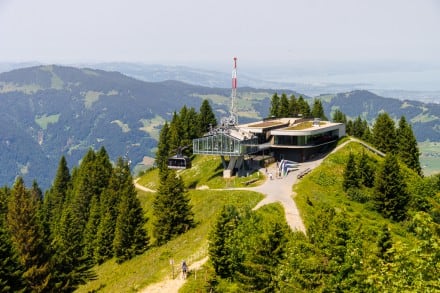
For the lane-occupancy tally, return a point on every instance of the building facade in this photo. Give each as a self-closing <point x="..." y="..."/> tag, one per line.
<point x="295" y="139"/>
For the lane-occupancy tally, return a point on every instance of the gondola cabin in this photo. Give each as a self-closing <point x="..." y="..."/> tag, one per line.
<point x="179" y="162"/>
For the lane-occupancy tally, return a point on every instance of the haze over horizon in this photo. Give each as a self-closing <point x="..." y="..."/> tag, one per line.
<point x="313" y="41"/>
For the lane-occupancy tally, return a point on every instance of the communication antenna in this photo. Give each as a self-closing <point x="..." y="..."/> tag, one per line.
<point x="234" y="92"/>
<point x="232" y="120"/>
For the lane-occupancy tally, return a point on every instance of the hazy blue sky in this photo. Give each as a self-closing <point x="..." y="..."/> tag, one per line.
<point x="202" y="31"/>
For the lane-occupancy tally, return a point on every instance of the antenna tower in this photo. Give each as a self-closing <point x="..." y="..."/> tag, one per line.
<point x="232" y="120"/>
<point x="234" y="92"/>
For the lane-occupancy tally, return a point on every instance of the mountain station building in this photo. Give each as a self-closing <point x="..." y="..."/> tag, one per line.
<point x="294" y="139"/>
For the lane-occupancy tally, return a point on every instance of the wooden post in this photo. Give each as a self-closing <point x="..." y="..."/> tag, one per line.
<point x="172" y="266"/>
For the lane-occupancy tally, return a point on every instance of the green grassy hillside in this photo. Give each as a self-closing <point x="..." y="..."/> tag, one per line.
<point x="206" y="173"/>
<point x="322" y="189"/>
<point x="154" y="265"/>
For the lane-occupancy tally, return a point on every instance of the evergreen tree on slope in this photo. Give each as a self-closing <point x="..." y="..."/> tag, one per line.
<point x="130" y="237"/>
<point x="10" y="268"/>
<point x="206" y="118"/>
<point x="163" y="148"/>
<point x="28" y="236"/>
<point x="318" y="110"/>
<point x="408" y="150"/>
<point x="220" y="249"/>
<point x="274" y="109"/>
<point x="171" y="209"/>
<point x="339" y="116"/>
<point x="304" y="107"/>
<point x="390" y="195"/>
<point x="384" y="134"/>
<point x="283" y="110"/>
<point x="55" y="198"/>
<point x="351" y="174"/>
<point x="293" y="106"/>
<point x="366" y="171"/>
<point x="259" y="272"/>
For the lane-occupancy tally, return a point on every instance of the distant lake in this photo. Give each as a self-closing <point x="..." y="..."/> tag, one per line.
<point x="425" y="80"/>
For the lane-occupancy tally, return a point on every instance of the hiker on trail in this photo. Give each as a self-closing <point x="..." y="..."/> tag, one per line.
<point x="270" y="176"/>
<point x="184" y="269"/>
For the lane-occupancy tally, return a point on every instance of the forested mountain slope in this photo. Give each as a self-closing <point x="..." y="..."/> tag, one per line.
<point x="424" y="117"/>
<point x="49" y="111"/>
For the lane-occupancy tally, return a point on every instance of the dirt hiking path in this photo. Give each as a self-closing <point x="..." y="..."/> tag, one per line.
<point x="173" y="285"/>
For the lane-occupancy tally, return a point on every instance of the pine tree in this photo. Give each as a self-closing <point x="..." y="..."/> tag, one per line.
<point x="91" y="236"/>
<point x="274" y="109"/>
<point x="351" y="175"/>
<point x="349" y="127"/>
<point x="258" y="273"/>
<point x="318" y="110"/>
<point x="100" y="171"/>
<point x="304" y="108"/>
<point x="103" y="170"/>
<point x="293" y="106"/>
<point x="408" y="150"/>
<point x="191" y="128"/>
<point x="83" y="189"/>
<point x="206" y="118"/>
<point x="72" y="268"/>
<point x="171" y="209"/>
<point x="384" y="134"/>
<point x="10" y="268"/>
<point x="283" y="110"/>
<point x="28" y="237"/>
<point x="366" y="171"/>
<point x="119" y="184"/>
<point x="163" y="149"/>
<point x="390" y="195"/>
<point x="55" y="198"/>
<point x="130" y="237"/>
<point x="220" y="241"/>
<point x="92" y="177"/>
<point x="339" y="117"/>
<point x="367" y="136"/>
<point x="175" y="133"/>
<point x="358" y="127"/>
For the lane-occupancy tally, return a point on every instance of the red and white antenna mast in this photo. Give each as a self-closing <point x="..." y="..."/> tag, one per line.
<point x="232" y="120"/>
<point x="234" y="115"/>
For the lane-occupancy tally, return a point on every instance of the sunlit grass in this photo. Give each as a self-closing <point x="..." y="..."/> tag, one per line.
<point x="154" y="265"/>
<point x="206" y="173"/>
<point x="323" y="187"/>
<point x="198" y="279"/>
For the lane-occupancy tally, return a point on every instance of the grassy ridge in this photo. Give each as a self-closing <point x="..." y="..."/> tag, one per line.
<point x="323" y="187"/>
<point x="154" y="265"/>
<point x="206" y="171"/>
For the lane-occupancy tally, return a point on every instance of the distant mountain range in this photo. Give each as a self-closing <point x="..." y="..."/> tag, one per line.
<point x="309" y="81"/>
<point x="49" y="111"/>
